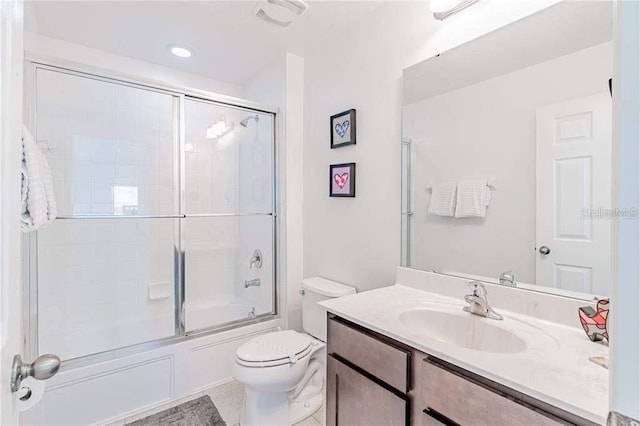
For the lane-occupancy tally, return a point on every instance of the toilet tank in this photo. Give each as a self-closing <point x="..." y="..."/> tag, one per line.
<point x="314" y="316"/>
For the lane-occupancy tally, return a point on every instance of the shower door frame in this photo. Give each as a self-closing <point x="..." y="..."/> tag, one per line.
<point x="180" y="94"/>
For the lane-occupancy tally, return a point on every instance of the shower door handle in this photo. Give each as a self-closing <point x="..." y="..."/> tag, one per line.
<point x="43" y="368"/>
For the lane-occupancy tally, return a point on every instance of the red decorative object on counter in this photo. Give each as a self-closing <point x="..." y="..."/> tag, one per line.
<point x="594" y="322"/>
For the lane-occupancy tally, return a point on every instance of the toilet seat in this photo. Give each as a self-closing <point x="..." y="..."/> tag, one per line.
<point x="284" y="372"/>
<point x="273" y="349"/>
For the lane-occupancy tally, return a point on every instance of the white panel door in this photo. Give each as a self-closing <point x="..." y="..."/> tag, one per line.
<point x="11" y="57"/>
<point x="573" y="190"/>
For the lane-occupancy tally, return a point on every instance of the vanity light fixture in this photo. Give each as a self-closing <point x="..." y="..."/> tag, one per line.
<point x="442" y="9"/>
<point x="180" y="51"/>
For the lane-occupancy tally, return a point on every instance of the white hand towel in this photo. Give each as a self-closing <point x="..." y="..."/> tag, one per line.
<point x="472" y="198"/>
<point x="38" y="198"/>
<point x="443" y="199"/>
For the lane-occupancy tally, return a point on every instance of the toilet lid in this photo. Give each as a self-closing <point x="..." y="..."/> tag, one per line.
<point x="278" y="347"/>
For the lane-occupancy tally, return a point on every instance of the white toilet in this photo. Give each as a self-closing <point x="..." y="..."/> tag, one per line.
<point x="284" y="371"/>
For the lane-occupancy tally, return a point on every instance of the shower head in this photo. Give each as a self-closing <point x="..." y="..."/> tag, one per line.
<point x="245" y="122"/>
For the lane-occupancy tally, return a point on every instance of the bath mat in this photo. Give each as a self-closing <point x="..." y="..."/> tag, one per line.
<point x="197" y="412"/>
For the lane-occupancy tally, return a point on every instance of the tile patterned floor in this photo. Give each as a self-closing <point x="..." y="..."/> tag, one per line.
<point x="227" y="399"/>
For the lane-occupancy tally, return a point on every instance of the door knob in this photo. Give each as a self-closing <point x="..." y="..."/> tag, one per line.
<point x="544" y="250"/>
<point x="43" y="368"/>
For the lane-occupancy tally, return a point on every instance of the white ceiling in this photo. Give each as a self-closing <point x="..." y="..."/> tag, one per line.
<point x="229" y="42"/>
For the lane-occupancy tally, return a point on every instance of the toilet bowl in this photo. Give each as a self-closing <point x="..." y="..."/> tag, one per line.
<point x="284" y="371"/>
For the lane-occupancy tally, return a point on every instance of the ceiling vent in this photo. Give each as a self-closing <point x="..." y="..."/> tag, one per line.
<point x="280" y="12"/>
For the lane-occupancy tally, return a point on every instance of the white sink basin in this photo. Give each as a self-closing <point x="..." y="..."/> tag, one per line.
<point x="462" y="329"/>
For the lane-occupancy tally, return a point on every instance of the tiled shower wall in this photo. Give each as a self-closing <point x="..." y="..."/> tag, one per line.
<point x="256" y="152"/>
<point x="93" y="284"/>
<point x="110" y="146"/>
<point x="216" y="174"/>
<point x="109" y="282"/>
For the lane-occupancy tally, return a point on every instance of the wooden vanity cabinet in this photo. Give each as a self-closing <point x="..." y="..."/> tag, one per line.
<point x="354" y="399"/>
<point x="368" y="377"/>
<point x="451" y="397"/>
<point x="373" y="380"/>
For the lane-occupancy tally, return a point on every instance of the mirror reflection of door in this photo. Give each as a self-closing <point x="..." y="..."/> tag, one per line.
<point x="534" y="118"/>
<point x="573" y="187"/>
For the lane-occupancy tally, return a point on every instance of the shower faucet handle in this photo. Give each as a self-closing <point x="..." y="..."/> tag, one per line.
<point x="256" y="259"/>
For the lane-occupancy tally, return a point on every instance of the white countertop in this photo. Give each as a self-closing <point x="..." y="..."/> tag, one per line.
<point x="555" y="369"/>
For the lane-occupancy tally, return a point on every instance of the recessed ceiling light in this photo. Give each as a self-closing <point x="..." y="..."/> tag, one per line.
<point x="179" y="51"/>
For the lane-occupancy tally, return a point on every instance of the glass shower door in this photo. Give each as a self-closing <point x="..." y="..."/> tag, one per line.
<point x="228" y="229"/>
<point x="104" y="270"/>
<point x="163" y="228"/>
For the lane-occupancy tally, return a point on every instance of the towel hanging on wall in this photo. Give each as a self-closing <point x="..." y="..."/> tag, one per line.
<point x="443" y="199"/>
<point x="37" y="197"/>
<point x="473" y="197"/>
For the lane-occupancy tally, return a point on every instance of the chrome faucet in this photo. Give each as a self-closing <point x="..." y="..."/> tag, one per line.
<point x="478" y="303"/>
<point x="252" y="283"/>
<point x="508" y="278"/>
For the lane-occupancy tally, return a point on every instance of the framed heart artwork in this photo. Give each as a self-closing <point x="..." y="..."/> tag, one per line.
<point x="342" y="180"/>
<point x="343" y="129"/>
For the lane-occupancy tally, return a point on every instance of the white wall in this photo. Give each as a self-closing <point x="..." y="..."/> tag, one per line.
<point x="625" y="315"/>
<point x="268" y="86"/>
<point x="489" y="129"/>
<point x="46" y="47"/>
<point x="357" y="241"/>
<point x="294" y="188"/>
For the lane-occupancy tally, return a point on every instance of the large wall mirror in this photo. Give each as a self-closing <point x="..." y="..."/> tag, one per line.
<point x="507" y="155"/>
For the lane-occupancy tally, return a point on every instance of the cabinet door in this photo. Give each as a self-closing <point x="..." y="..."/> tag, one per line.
<point x="383" y="360"/>
<point x="454" y="399"/>
<point x="353" y="399"/>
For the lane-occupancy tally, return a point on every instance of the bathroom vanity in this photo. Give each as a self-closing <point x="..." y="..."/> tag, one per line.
<point x="401" y="355"/>
<point x="382" y="381"/>
<point x="502" y="165"/>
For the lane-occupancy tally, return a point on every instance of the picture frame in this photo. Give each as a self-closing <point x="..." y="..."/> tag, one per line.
<point x="343" y="128"/>
<point x="342" y="180"/>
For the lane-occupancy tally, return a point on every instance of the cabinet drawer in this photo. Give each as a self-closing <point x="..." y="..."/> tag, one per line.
<point x="467" y="403"/>
<point x="386" y="362"/>
<point x="354" y="400"/>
